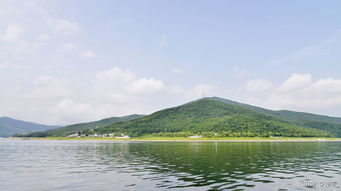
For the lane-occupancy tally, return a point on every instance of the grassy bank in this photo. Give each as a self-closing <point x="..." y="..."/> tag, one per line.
<point x="232" y="139"/>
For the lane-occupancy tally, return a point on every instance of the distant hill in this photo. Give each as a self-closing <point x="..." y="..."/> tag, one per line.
<point x="67" y="130"/>
<point x="221" y="117"/>
<point x="9" y="126"/>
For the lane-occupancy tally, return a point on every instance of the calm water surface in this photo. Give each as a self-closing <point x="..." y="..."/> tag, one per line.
<point x="108" y="165"/>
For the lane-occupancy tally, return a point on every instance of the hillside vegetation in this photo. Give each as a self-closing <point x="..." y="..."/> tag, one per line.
<point x="210" y="117"/>
<point x="327" y="123"/>
<point x="214" y="117"/>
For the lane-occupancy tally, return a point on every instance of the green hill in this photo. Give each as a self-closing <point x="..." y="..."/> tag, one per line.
<point x="284" y="114"/>
<point x="322" y="122"/>
<point x="210" y="117"/>
<point x="216" y="117"/>
<point x="9" y="126"/>
<point x="67" y="130"/>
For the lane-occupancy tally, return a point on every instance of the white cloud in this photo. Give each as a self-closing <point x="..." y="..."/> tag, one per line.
<point x="147" y="85"/>
<point x="296" y="81"/>
<point x="51" y="87"/>
<point x="12" y="33"/>
<point x="118" y="81"/>
<point x="46" y="93"/>
<point x="63" y="26"/>
<point x="178" y="71"/>
<point x="328" y="85"/>
<point x="67" y="111"/>
<point x="258" y="85"/>
<point x="301" y="92"/>
<point x="115" y="92"/>
<point x="88" y="54"/>
<point x="114" y="74"/>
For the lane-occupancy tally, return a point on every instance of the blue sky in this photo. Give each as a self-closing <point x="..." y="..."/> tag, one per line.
<point x="64" y="61"/>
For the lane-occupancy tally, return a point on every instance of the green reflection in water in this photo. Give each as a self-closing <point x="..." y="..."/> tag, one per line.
<point x="222" y="165"/>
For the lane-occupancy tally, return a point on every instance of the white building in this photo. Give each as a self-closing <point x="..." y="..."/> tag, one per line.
<point x="73" y="135"/>
<point x="123" y="137"/>
<point x="195" y="136"/>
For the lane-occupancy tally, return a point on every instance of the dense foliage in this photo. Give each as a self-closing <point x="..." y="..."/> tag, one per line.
<point x="210" y="117"/>
<point x="321" y="122"/>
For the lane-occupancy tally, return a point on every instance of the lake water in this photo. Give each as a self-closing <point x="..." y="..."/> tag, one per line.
<point x="109" y="165"/>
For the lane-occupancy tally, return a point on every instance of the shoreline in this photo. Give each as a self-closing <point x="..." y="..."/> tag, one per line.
<point x="182" y="139"/>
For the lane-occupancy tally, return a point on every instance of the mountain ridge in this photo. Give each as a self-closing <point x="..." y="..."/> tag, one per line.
<point x="10" y="126"/>
<point x="213" y="116"/>
<point x="331" y="119"/>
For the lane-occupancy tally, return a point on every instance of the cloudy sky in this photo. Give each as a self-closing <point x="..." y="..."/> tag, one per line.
<point x="64" y="62"/>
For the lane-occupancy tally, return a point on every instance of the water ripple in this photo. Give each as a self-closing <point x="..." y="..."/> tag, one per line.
<point x="108" y="165"/>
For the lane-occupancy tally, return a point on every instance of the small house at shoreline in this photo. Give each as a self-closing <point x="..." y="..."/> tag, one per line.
<point x="123" y="137"/>
<point x="195" y="136"/>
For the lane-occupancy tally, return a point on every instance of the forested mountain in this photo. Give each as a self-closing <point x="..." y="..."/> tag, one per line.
<point x="9" y="126"/>
<point x="331" y="124"/>
<point x="284" y="114"/>
<point x="220" y="117"/>
<point x="211" y="117"/>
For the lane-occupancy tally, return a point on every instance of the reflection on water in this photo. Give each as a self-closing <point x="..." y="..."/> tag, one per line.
<point x="105" y="165"/>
